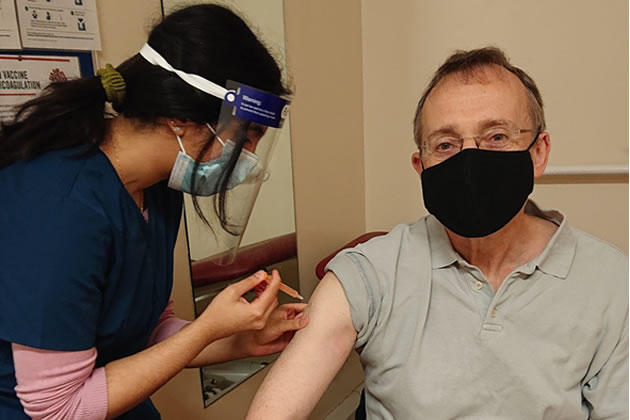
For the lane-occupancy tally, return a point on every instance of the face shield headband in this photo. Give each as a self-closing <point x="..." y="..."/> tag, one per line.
<point x="194" y="80"/>
<point x="242" y="101"/>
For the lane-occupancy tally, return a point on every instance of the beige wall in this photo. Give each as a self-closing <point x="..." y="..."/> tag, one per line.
<point x="324" y="57"/>
<point x="124" y="27"/>
<point x="577" y="51"/>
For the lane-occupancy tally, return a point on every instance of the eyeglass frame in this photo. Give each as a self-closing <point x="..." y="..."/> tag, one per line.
<point x="515" y="131"/>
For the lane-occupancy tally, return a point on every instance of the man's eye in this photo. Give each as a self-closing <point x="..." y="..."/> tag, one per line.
<point x="444" y="146"/>
<point x="498" y="137"/>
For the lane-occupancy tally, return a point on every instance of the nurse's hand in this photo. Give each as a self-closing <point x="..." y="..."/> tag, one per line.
<point x="282" y="324"/>
<point x="230" y="313"/>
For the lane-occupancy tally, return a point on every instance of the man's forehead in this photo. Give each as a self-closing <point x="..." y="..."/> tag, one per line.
<point x="483" y="75"/>
<point x="463" y="89"/>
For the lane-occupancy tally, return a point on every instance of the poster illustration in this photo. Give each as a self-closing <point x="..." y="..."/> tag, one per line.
<point x="59" y="24"/>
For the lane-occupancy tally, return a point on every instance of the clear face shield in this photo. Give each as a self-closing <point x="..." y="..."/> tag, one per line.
<point x="253" y="119"/>
<point x="249" y="117"/>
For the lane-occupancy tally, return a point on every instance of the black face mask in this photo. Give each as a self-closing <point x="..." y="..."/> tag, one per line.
<point x="477" y="192"/>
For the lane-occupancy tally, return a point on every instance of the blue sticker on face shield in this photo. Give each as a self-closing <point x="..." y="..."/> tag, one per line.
<point x="257" y="106"/>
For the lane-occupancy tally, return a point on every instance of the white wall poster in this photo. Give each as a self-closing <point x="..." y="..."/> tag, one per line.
<point x="9" y="34"/>
<point x="59" y="24"/>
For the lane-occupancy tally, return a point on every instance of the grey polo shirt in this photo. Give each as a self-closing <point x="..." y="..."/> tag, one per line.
<point x="436" y="342"/>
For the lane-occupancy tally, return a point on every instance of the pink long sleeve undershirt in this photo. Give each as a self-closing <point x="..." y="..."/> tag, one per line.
<point x="64" y="384"/>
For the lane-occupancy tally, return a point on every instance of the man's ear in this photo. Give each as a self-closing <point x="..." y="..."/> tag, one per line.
<point x="416" y="162"/>
<point x="540" y="153"/>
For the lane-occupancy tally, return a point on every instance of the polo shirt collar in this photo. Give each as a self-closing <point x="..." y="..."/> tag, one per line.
<point x="558" y="255"/>
<point x="556" y="258"/>
<point x="442" y="252"/>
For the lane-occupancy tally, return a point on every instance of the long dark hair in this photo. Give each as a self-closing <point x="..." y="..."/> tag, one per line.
<point x="208" y="40"/>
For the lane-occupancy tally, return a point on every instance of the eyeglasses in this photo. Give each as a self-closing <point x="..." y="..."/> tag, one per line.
<point x="501" y="138"/>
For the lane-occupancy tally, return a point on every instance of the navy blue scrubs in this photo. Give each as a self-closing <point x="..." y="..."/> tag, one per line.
<point x="79" y="265"/>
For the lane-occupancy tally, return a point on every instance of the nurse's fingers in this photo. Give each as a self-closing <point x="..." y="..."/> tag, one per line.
<point x="268" y="297"/>
<point x="292" y="324"/>
<point x="260" y="287"/>
<point x="249" y="283"/>
<point x="293" y="310"/>
<point x="269" y="311"/>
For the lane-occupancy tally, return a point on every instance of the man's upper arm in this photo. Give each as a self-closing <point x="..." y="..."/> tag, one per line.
<point x="605" y="389"/>
<point x="302" y="373"/>
<point x="607" y="392"/>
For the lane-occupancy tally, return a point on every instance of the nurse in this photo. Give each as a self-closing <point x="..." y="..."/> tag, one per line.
<point x="91" y="205"/>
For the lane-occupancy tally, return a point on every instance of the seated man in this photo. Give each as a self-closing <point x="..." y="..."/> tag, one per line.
<point x="489" y="308"/>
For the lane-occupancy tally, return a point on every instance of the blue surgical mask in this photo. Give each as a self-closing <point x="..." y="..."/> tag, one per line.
<point x="208" y="173"/>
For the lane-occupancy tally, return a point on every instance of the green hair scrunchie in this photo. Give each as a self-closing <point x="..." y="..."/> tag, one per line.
<point x="113" y="84"/>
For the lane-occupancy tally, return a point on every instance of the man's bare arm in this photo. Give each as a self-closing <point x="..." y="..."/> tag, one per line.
<point x="302" y="373"/>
